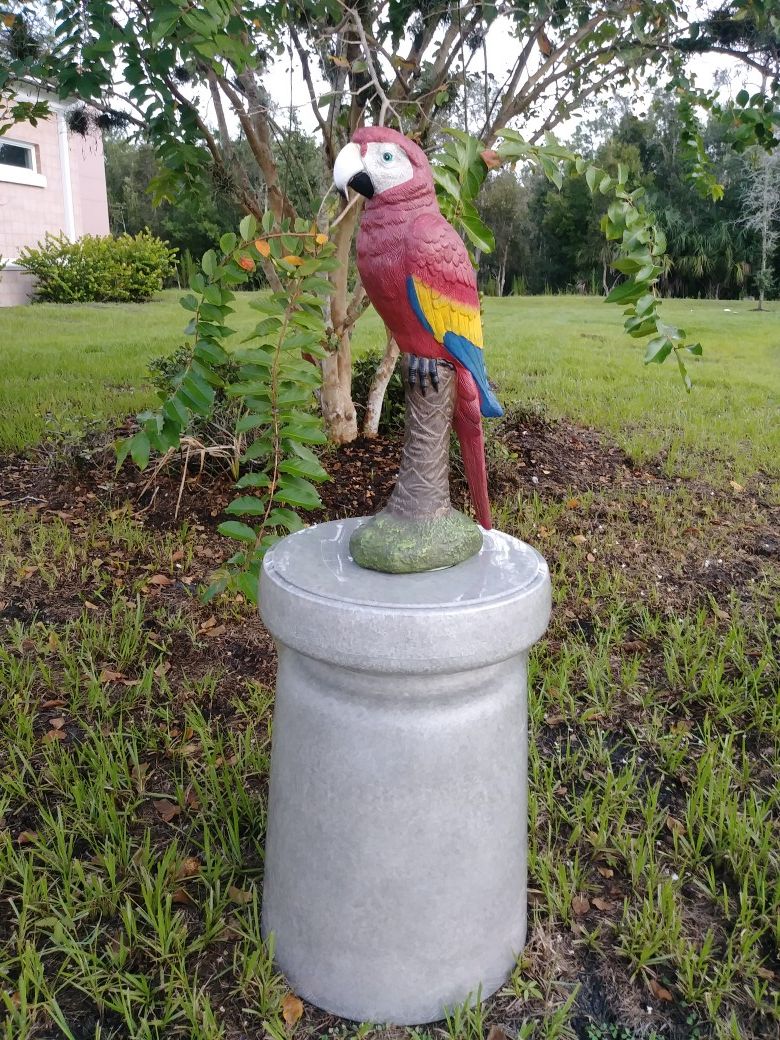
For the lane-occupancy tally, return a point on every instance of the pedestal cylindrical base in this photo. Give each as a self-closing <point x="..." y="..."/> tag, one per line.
<point x="396" y="850"/>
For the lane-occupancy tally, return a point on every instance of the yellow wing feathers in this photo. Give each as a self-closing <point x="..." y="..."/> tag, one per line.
<point x="447" y="315"/>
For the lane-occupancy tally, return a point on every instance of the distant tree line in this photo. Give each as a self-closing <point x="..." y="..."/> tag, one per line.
<point x="549" y="240"/>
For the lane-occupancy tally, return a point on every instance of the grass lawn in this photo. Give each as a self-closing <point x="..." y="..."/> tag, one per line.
<point x="568" y="355"/>
<point x="135" y="722"/>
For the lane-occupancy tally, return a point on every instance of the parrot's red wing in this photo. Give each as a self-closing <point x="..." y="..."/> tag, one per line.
<point x="437" y="256"/>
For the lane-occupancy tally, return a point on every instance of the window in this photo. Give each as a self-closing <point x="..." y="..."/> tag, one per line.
<point x="19" y="164"/>
<point x="20" y="155"/>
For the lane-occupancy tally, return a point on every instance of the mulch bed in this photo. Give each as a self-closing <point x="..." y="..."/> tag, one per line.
<point x="555" y="460"/>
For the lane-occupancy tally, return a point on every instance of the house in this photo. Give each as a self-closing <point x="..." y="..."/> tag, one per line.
<point x="51" y="180"/>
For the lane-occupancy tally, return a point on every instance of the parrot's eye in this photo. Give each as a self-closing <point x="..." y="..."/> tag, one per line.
<point x="387" y="156"/>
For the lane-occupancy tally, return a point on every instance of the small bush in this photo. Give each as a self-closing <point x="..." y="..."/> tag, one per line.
<point x="129" y="268"/>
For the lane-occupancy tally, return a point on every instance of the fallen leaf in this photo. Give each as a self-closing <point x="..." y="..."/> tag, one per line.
<point x="182" y="897"/>
<point x="54" y="641"/>
<point x="162" y="669"/>
<point x="58" y="723"/>
<point x="167" y="810"/>
<point x="675" y="826"/>
<point x="176" y="556"/>
<point x="108" y="676"/>
<point x="191" y="799"/>
<point x="606" y="872"/>
<point x="573" y="503"/>
<point x="189" y="867"/>
<point x="54" y="734"/>
<point x="580" y="905"/>
<point x="208" y="623"/>
<point x="230" y="932"/>
<point x="602" y="904"/>
<point x="189" y="749"/>
<point x="90" y="606"/>
<point x="591" y="558"/>
<point x="497" y="1033"/>
<point x="292" y="1009"/>
<point x="159" y="579"/>
<point x="212" y="633"/>
<point x="55" y="702"/>
<point x="764" y="973"/>
<point x="25" y="837"/>
<point x="660" y="992"/>
<point x="736" y="486"/>
<point x="578" y="538"/>
<point x="239" y="895"/>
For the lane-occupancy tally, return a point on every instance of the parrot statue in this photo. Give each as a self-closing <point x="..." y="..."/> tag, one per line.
<point x="417" y="273"/>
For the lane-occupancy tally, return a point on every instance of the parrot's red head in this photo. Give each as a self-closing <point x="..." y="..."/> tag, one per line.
<point x="383" y="164"/>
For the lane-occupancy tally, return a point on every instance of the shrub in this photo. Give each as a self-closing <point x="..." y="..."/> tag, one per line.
<point x="129" y="268"/>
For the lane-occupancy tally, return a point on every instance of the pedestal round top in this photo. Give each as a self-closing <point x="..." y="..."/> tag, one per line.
<point x="316" y="599"/>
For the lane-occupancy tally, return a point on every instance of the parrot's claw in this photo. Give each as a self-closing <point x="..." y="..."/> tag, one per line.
<point x="421" y="370"/>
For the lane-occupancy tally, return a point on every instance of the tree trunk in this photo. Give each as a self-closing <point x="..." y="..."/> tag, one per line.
<point x="338" y="409"/>
<point x="376" y="394"/>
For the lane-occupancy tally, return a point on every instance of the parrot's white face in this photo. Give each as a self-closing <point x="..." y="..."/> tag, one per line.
<point x="384" y="166"/>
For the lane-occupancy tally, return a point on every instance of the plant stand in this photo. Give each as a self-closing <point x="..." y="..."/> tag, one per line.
<point x="395" y="862"/>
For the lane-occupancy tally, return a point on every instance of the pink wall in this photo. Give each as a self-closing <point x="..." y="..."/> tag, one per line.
<point x="28" y="211"/>
<point x="88" y="174"/>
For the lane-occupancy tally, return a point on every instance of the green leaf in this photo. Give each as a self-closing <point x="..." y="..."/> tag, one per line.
<point x="189" y="302"/>
<point x="247" y="505"/>
<point x="658" y="349"/>
<point x="309" y="469"/>
<point x="305" y="434"/>
<point x="480" y="235"/>
<point x="286" y="518"/>
<point x="209" y="262"/>
<point x="122" y="449"/>
<point x="252" y="421"/>
<point x="625" y="292"/>
<point x="228" y="242"/>
<point x="211" y="353"/>
<point x="590" y="176"/>
<point x="235" y="529"/>
<point x="139" y="449"/>
<point x="297" y="492"/>
<point x="248" y="227"/>
<point x="254" y="480"/>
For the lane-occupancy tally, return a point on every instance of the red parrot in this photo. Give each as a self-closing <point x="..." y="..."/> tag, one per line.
<point x="418" y="275"/>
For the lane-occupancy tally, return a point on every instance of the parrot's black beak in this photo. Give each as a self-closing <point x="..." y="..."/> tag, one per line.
<point x="362" y="183"/>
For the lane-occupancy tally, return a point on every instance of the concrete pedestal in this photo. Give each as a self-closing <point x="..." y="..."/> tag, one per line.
<point x="395" y="863"/>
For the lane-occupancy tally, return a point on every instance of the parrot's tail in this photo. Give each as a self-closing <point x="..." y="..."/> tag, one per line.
<point x="468" y="426"/>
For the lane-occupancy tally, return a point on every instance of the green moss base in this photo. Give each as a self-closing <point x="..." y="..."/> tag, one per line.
<point x="398" y="545"/>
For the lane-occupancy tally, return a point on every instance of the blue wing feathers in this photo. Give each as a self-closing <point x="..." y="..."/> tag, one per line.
<point x="472" y="358"/>
<point x="411" y="292"/>
<point x="465" y="352"/>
